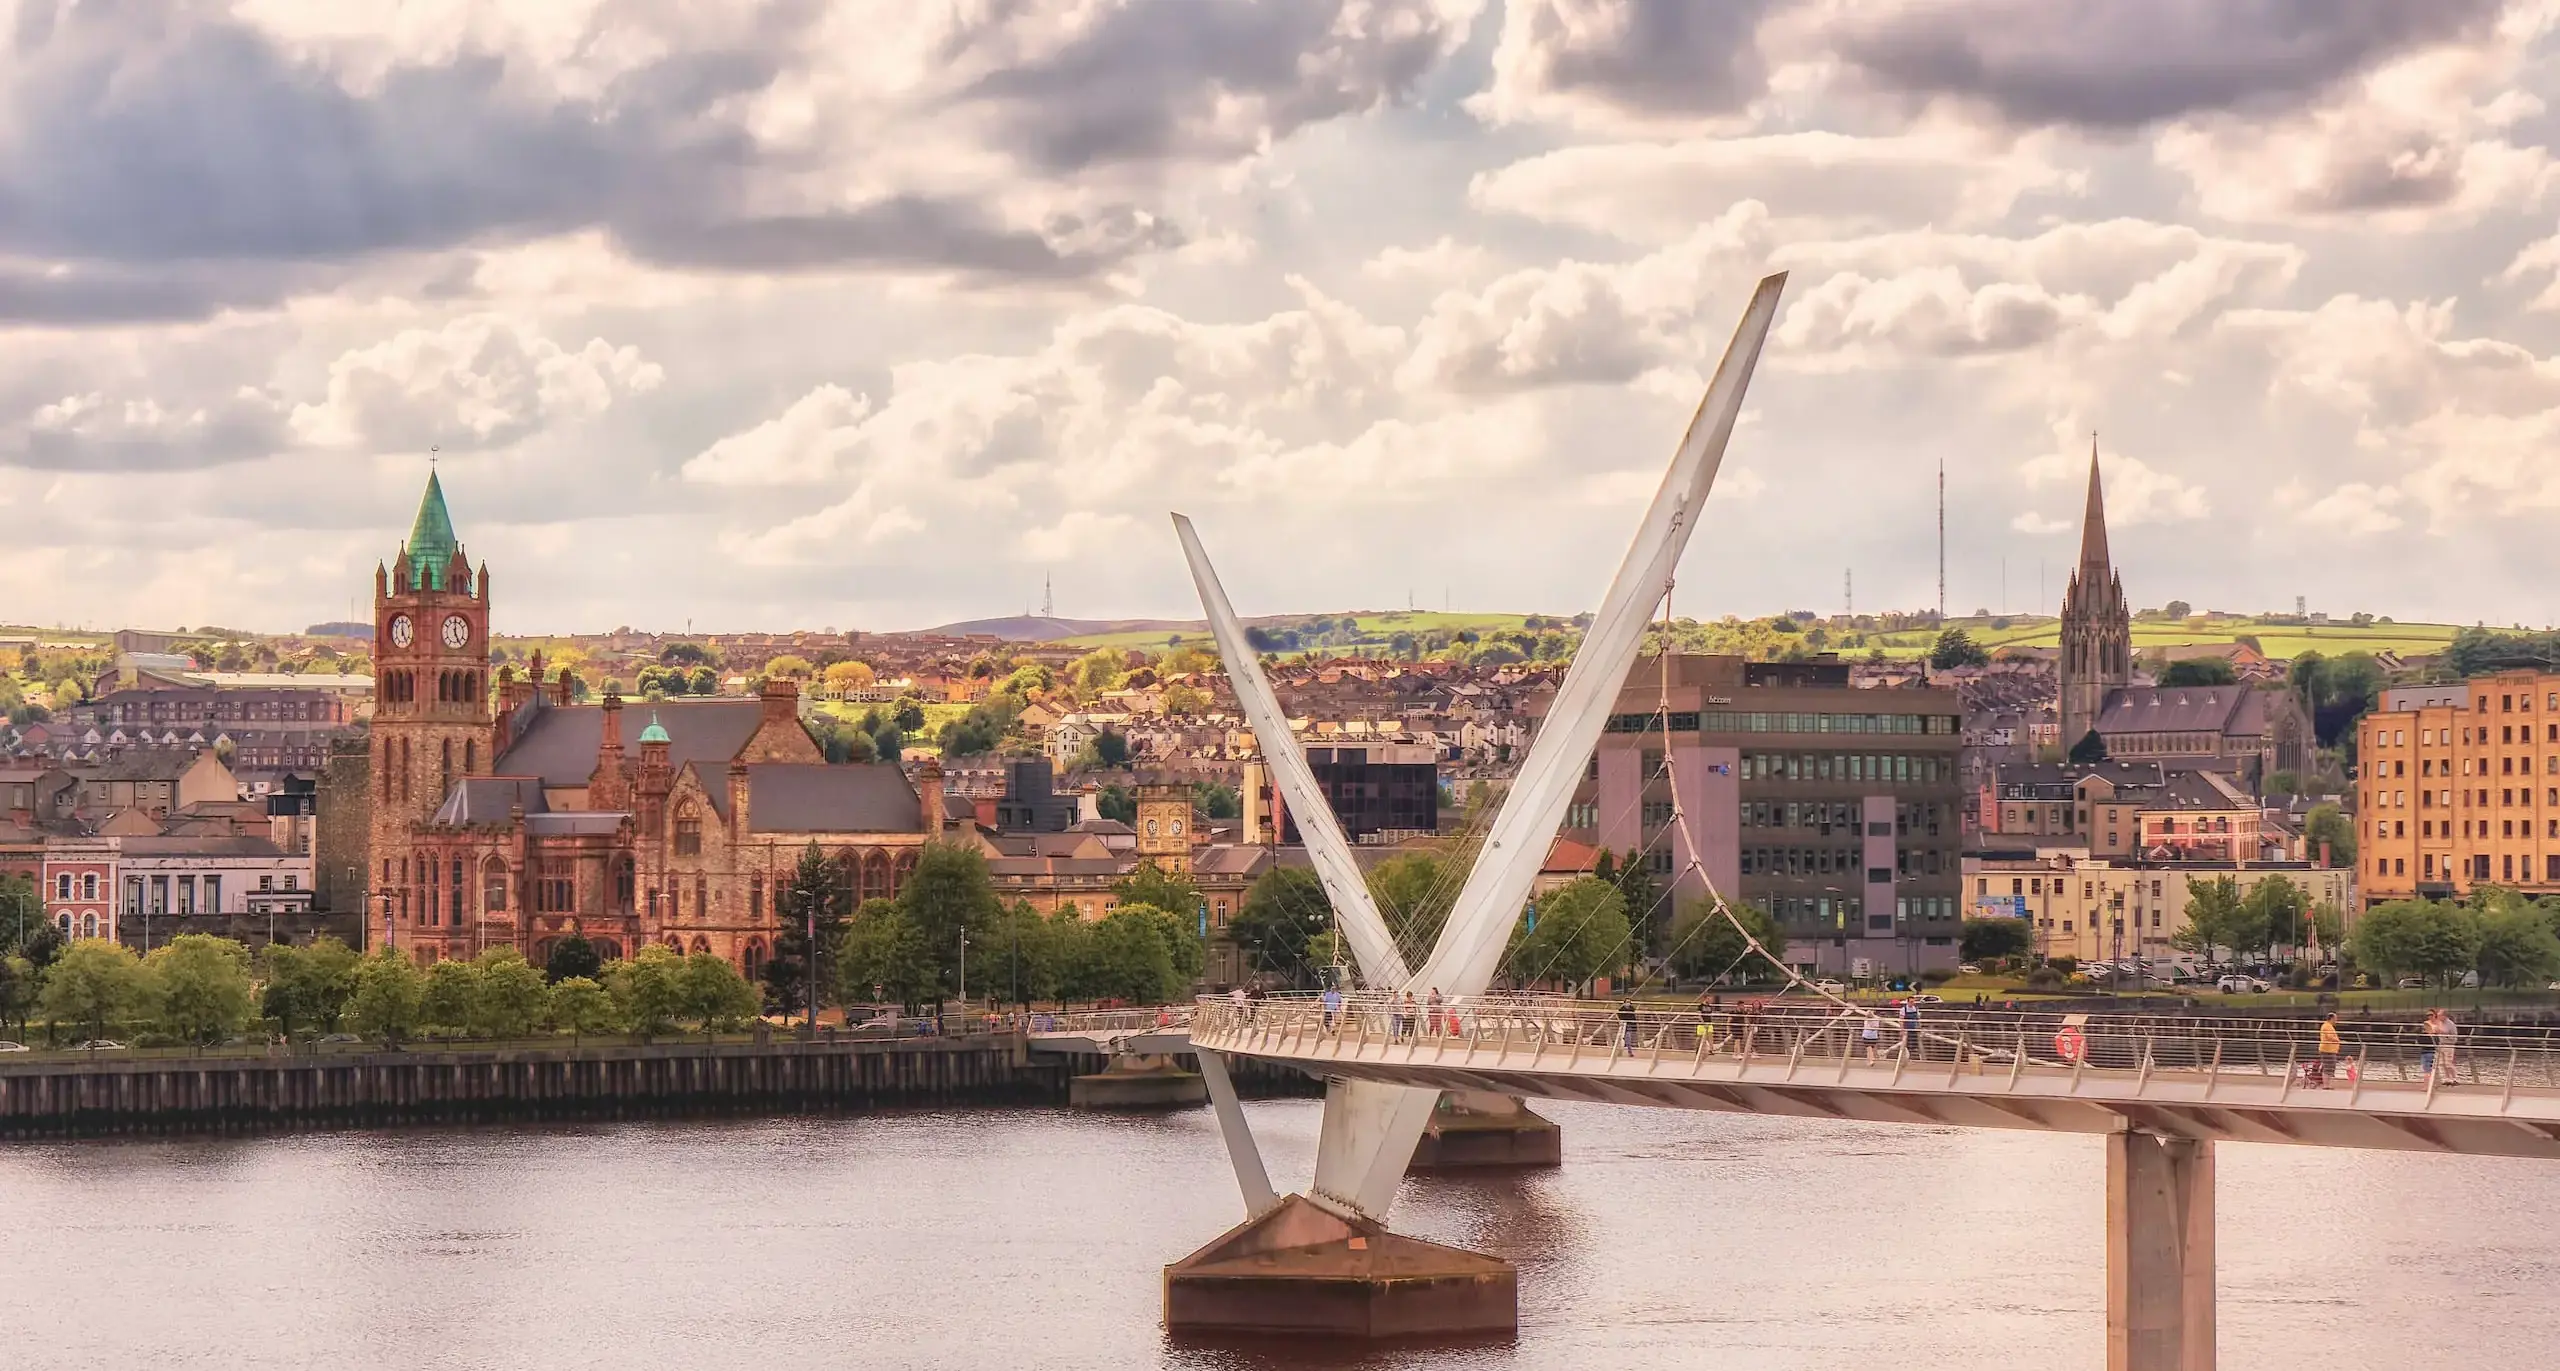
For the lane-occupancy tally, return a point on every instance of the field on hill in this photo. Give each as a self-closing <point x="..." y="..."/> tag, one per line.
<point x="2278" y="640"/>
<point x="1377" y="627"/>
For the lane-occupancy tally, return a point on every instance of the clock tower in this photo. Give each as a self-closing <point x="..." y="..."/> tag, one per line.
<point x="431" y="717"/>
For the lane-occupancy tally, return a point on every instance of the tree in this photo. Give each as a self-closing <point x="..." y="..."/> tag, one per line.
<point x="509" y="997"/>
<point x="2213" y="918"/>
<point x="1956" y="648"/>
<point x="447" y="999"/>
<point x="882" y="954"/>
<point x="1128" y="959"/>
<point x="1986" y="940"/>
<point x="2415" y="938"/>
<point x="1413" y="892"/>
<point x="94" y="983"/>
<point x="702" y="680"/>
<point x="581" y="1006"/>
<point x="21" y="908"/>
<point x="813" y="887"/>
<point x="888" y="742"/>
<point x="2274" y="912"/>
<point x="1646" y="900"/>
<point x="1705" y="945"/>
<point x="1581" y="931"/>
<point x="203" y="984"/>
<point x="389" y="989"/>
<point x="949" y="895"/>
<point x="790" y="667"/>
<point x="1282" y="913"/>
<point x="2199" y="671"/>
<point x="1024" y="952"/>
<point x="1185" y="951"/>
<point x="2178" y="609"/>
<point x="1149" y="884"/>
<point x="849" y="675"/>
<point x="1215" y="801"/>
<point x="648" y="990"/>
<point x="2516" y="945"/>
<point x="17" y="994"/>
<point x="571" y="956"/>
<point x="716" y="997"/>
<point x="308" y="986"/>
<point x="2325" y="824"/>
<point x="907" y="714"/>
<point x="2090" y="750"/>
<point x="1115" y="802"/>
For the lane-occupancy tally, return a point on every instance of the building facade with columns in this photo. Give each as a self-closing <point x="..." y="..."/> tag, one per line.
<point x="506" y="814"/>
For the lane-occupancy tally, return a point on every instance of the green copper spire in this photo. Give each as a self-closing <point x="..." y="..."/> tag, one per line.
<point x="431" y="540"/>
<point x="656" y="732"/>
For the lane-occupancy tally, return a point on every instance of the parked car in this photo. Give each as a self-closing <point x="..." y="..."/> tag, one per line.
<point x="1968" y="969"/>
<point x="336" y="1039"/>
<point x="2242" y="985"/>
<point x="2412" y="983"/>
<point x="1830" y="987"/>
<point x="884" y="1023"/>
<point x="13" y="1047"/>
<point x="1928" y="999"/>
<point x="99" y="1045"/>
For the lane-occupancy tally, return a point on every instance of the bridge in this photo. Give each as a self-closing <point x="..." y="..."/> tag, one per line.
<point x="2162" y="1093"/>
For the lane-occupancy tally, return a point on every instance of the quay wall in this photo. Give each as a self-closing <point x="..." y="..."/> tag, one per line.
<point x="59" y="1096"/>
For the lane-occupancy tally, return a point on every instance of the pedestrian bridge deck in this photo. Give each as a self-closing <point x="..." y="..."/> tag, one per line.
<point x="2240" y="1080"/>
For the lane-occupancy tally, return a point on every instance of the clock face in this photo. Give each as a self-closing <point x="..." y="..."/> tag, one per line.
<point x="402" y="633"/>
<point x="457" y="630"/>
<point x="1177" y="828"/>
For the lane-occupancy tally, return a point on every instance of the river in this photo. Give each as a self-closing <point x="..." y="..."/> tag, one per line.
<point x="980" y="1240"/>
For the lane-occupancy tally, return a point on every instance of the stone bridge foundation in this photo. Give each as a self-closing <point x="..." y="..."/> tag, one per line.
<point x="1474" y="1129"/>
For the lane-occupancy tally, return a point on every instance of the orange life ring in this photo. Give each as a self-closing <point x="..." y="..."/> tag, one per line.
<point x="2069" y="1044"/>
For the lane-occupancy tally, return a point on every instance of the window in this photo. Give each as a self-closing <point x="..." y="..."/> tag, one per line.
<point x="62" y="886"/>
<point x="688" y="836"/>
<point x="186" y="895"/>
<point x="89" y="886"/>
<point x="213" y="894"/>
<point x="755" y="897"/>
<point x="701" y="898"/>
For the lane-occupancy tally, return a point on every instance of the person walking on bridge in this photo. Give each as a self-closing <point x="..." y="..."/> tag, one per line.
<point x="1627" y="1022"/>
<point x="1332" y="1007"/>
<point x="1431" y="1006"/>
<point x="1910" y="1027"/>
<point x="2443" y="1033"/>
<point x="2331" y="1047"/>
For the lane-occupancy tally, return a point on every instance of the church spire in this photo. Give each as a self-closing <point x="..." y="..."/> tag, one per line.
<point x="431" y="542"/>
<point x="2093" y="522"/>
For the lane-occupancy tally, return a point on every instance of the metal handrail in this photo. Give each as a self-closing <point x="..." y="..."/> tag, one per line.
<point x="2216" y="1048"/>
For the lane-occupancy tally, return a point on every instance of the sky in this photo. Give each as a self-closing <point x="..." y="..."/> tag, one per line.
<point x="766" y="314"/>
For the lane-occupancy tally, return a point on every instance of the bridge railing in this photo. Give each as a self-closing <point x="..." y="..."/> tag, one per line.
<point x="1166" y="1018"/>
<point x="2370" y="1051"/>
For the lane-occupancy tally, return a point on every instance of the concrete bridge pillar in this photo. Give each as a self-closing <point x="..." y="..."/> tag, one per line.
<point x="1473" y="1129"/>
<point x="2160" y="1294"/>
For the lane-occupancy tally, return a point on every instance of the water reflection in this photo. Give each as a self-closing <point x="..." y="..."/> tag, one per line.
<point x="1667" y="1240"/>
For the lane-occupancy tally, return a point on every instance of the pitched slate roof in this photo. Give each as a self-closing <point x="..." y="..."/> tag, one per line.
<point x="2180" y="709"/>
<point x="489" y="800"/>
<point x="809" y="797"/>
<point x="559" y="742"/>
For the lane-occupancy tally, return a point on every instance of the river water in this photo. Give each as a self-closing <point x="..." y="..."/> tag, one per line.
<point x="985" y="1240"/>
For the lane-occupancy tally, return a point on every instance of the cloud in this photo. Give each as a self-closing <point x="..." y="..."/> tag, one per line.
<point x="806" y="443"/>
<point x="2137" y="492"/>
<point x="2121" y="64"/>
<point x="476" y="381"/>
<point x="2037" y="525"/>
<point x="2356" y="509"/>
<point x="1615" y="62"/>
<point x="1442" y="261"/>
<point x="96" y="431"/>
<point x="1651" y="191"/>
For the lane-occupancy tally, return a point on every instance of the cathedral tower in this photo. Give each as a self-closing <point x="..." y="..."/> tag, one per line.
<point x="431" y="719"/>
<point x="2097" y="630"/>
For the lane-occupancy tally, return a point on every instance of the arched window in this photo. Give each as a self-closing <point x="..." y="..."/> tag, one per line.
<point x="876" y="884"/>
<point x="63" y="922"/>
<point x="702" y="899"/>
<point x="608" y="950"/>
<point x="493" y="885"/>
<point x="454" y="897"/>
<point x="700" y="943"/>
<point x="622" y="879"/>
<point x="89" y="925"/>
<point x="89" y="886"/>
<point x="752" y="959"/>
<point x="904" y="868"/>
<point x="675" y="944"/>
<point x="470" y="756"/>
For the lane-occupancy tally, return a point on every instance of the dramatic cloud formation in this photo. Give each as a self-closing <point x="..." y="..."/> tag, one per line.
<point x="869" y="313"/>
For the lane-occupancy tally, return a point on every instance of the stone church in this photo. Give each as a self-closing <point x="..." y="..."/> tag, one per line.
<point x="2237" y="730"/>
<point x="515" y="825"/>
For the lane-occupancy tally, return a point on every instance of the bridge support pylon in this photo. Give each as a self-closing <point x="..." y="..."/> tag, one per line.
<point x="2160" y="1290"/>
<point x="1477" y="1129"/>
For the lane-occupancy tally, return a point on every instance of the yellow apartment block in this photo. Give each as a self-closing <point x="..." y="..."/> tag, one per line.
<point x="2458" y="786"/>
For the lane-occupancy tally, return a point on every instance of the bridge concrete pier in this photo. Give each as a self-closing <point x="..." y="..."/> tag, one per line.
<point x="1299" y="1268"/>
<point x="2160" y="1291"/>
<point x="1138" y="1081"/>
<point x="1473" y="1129"/>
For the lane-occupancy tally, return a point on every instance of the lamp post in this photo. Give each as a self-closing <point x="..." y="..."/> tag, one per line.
<point x="809" y="956"/>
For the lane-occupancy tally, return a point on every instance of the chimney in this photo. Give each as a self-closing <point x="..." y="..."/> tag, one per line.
<point x="781" y="700"/>
<point x="929" y="797"/>
<point x="1088" y="803"/>
<point x="737" y="799"/>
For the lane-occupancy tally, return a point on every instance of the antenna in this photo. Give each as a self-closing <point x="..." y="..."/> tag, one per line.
<point x="1048" y="609"/>
<point x="1848" y="593"/>
<point x="1942" y="541"/>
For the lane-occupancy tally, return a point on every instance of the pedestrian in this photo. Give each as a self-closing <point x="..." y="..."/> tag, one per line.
<point x="1627" y="1022"/>
<point x="1869" y="1034"/>
<point x="2445" y="1032"/>
<point x="1706" y="1024"/>
<point x="2330" y="1047"/>
<point x="1405" y="1012"/>
<point x="1432" y="1008"/>
<point x="1332" y="1007"/>
<point x="1910" y="1027"/>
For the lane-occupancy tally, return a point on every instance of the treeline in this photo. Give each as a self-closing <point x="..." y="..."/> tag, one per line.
<point x="206" y="991"/>
<point x="2508" y="940"/>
